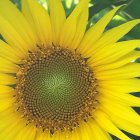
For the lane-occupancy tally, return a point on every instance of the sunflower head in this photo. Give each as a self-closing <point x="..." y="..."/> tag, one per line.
<point x="60" y="80"/>
<point x="56" y="89"/>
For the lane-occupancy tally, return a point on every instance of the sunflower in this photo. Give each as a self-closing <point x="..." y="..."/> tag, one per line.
<point x="61" y="82"/>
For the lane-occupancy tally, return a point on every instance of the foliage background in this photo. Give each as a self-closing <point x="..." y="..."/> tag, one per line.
<point x="97" y="9"/>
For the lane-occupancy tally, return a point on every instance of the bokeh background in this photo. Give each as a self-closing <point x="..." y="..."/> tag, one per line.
<point x="97" y="9"/>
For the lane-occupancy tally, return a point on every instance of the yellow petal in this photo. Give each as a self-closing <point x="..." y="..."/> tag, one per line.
<point x="116" y="33"/>
<point x="7" y="116"/>
<point x="111" y="36"/>
<point x="123" y="86"/>
<point x="69" y="29"/>
<point x="42" y="136"/>
<point x="26" y="133"/>
<point x="121" y="110"/>
<point x="81" y="133"/>
<point x="95" y="32"/>
<point x="120" y="62"/>
<point x="84" y="134"/>
<point x="10" y="123"/>
<point x="58" y="18"/>
<point x="125" y="72"/>
<point x="6" y="79"/>
<point x="65" y="136"/>
<point x="6" y="95"/>
<point x="15" y="18"/>
<point x="113" y="52"/>
<point x="39" y="20"/>
<point x="57" y="135"/>
<point x="12" y="54"/>
<point x="8" y="134"/>
<point x="126" y="125"/>
<point x="8" y="32"/>
<point x="11" y="131"/>
<point x="80" y="29"/>
<point x="127" y="99"/>
<point x="7" y="66"/>
<point x="5" y="89"/>
<point x="75" y="135"/>
<point x="6" y="103"/>
<point x="105" y="122"/>
<point x="97" y="132"/>
<point x="6" y="100"/>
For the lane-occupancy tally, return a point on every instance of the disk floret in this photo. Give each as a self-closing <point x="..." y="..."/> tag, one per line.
<point x="56" y="89"/>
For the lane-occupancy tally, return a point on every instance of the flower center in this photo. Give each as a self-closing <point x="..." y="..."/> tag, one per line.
<point x="56" y="89"/>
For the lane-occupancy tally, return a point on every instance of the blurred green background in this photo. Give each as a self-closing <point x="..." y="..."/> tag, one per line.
<point x="97" y="9"/>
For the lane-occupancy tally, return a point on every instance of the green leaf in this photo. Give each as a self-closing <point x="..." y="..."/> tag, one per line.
<point x="133" y="10"/>
<point x="17" y="3"/>
<point x="69" y="5"/>
<point x="99" y="5"/>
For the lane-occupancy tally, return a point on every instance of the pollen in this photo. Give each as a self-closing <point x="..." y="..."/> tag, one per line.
<point x="56" y="89"/>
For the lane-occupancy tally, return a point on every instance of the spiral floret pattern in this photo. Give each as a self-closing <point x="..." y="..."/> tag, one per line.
<point x="56" y="89"/>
